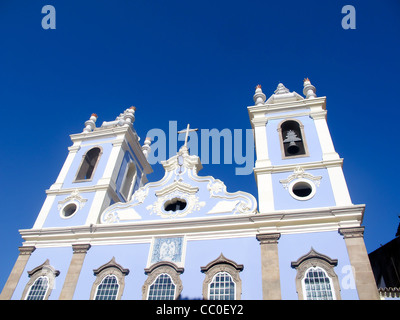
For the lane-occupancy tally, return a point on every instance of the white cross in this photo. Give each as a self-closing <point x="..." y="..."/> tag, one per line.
<point x="187" y="133"/>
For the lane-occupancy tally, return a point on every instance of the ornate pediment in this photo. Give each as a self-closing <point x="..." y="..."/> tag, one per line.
<point x="181" y="193"/>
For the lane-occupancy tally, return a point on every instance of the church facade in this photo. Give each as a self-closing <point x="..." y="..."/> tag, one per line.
<point x="104" y="232"/>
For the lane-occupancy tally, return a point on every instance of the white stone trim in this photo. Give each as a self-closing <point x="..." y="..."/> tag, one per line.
<point x="305" y="166"/>
<point x="339" y="186"/>
<point x="42" y="216"/>
<point x="284" y="222"/>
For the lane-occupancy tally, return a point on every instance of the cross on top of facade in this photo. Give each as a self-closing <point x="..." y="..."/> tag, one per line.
<point x="187" y="130"/>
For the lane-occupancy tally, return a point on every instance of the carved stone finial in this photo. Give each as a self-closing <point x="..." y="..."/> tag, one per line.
<point x="146" y="147"/>
<point x="91" y="123"/>
<point x="259" y="97"/>
<point x="309" y="90"/>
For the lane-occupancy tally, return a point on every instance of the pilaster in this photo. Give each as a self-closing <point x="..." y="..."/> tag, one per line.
<point x="16" y="272"/>
<point x="363" y="276"/>
<point x="271" y="284"/>
<point x="74" y="271"/>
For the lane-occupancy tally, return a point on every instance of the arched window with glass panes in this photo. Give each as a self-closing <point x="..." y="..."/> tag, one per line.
<point x="41" y="282"/>
<point x="38" y="289"/>
<point x="163" y="288"/>
<point x="317" y="285"/>
<point x="316" y="278"/>
<point x="163" y="281"/>
<point x="110" y="281"/>
<point x="222" y="281"/>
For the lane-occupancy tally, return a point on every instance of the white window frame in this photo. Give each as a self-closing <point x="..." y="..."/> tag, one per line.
<point x="172" y="280"/>
<point x="212" y="281"/>
<point x="163" y="267"/>
<point x="44" y="270"/>
<point x="326" y="274"/>
<point x="102" y="281"/>
<point x="111" y="268"/>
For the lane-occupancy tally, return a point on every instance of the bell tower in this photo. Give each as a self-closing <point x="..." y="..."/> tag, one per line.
<point x="104" y="165"/>
<point x="296" y="163"/>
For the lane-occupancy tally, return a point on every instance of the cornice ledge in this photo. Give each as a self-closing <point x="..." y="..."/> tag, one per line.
<point x="81" y="189"/>
<point x="306" y="166"/>
<point x="99" y="132"/>
<point x="289" y="105"/>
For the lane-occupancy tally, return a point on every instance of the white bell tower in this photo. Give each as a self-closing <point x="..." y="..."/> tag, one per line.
<point x="296" y="163"/>
<point x="104" y="165"/>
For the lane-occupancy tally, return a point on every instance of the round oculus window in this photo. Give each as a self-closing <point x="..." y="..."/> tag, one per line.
<point x="69" y="210"/>
<point x="302" y="189"/>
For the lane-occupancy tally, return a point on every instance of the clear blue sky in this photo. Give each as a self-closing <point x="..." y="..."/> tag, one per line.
<point x="198" y="63"/>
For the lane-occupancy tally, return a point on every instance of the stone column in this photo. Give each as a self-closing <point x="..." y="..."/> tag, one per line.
<point x="271" y="283"/>
<point x="363" y="276"/>
<point x="74" y="270"/>
<point x="16" y="272"/>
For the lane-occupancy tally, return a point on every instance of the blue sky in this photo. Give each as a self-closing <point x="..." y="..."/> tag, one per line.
<point x="197" y="63"/>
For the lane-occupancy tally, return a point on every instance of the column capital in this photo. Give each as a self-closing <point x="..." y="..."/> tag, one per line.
<point x="268" y="238"/>
<point x="80" y="248"/>
<point x="356" y="232"/>
<point x="26" y="250"/>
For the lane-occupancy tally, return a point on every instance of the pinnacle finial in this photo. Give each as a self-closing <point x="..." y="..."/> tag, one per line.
<point x="91" y="123"/>
<point x="309" y="90"/>
<point x="146" y="147"/>
<point x="259" y="97"/>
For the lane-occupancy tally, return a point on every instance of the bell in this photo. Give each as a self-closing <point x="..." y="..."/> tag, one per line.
<point x="293" y="148"/>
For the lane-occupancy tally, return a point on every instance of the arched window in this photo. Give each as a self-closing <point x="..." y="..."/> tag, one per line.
<point x="41" y="282"/>
<point x="163" y="288"/>
<point x="129" y="181"/>
<point x="110" y="281"/>
<point x="222" y="281"/>
<point x="317" y="285"/>
<point x="222" y="287"/>
<point x="38" y="289"/>
<point x="88" y="165"/>
<point x="163" y="282"/>
<point x="316" y="278"/>
<point x="292" y="138"/>
<point x="108" y="288"/>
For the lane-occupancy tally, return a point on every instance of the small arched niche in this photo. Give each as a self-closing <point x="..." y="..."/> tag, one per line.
<point x="292" y="138"/>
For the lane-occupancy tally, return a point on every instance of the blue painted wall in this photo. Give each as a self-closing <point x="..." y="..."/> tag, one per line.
<point x="130" y="256"/>
<point x="59" y="259"/>
<point x="244" y="251"/>
<point x="99" y="171"/>
<point x="284" y="201"/>
<point x="292" y="247"/>
<point x="55" y="220"/>
<point x="199" y="253"/>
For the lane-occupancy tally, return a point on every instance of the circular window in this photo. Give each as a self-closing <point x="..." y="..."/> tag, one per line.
<point x="69" y="210"/>
<point x="175" y="204"/>
<point x="302" y="189"/>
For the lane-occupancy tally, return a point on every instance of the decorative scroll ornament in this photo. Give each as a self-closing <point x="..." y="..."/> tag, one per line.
<point x="230" y="202"/>
<point x="299" y="173"/>
<point x="74" y="197"/>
